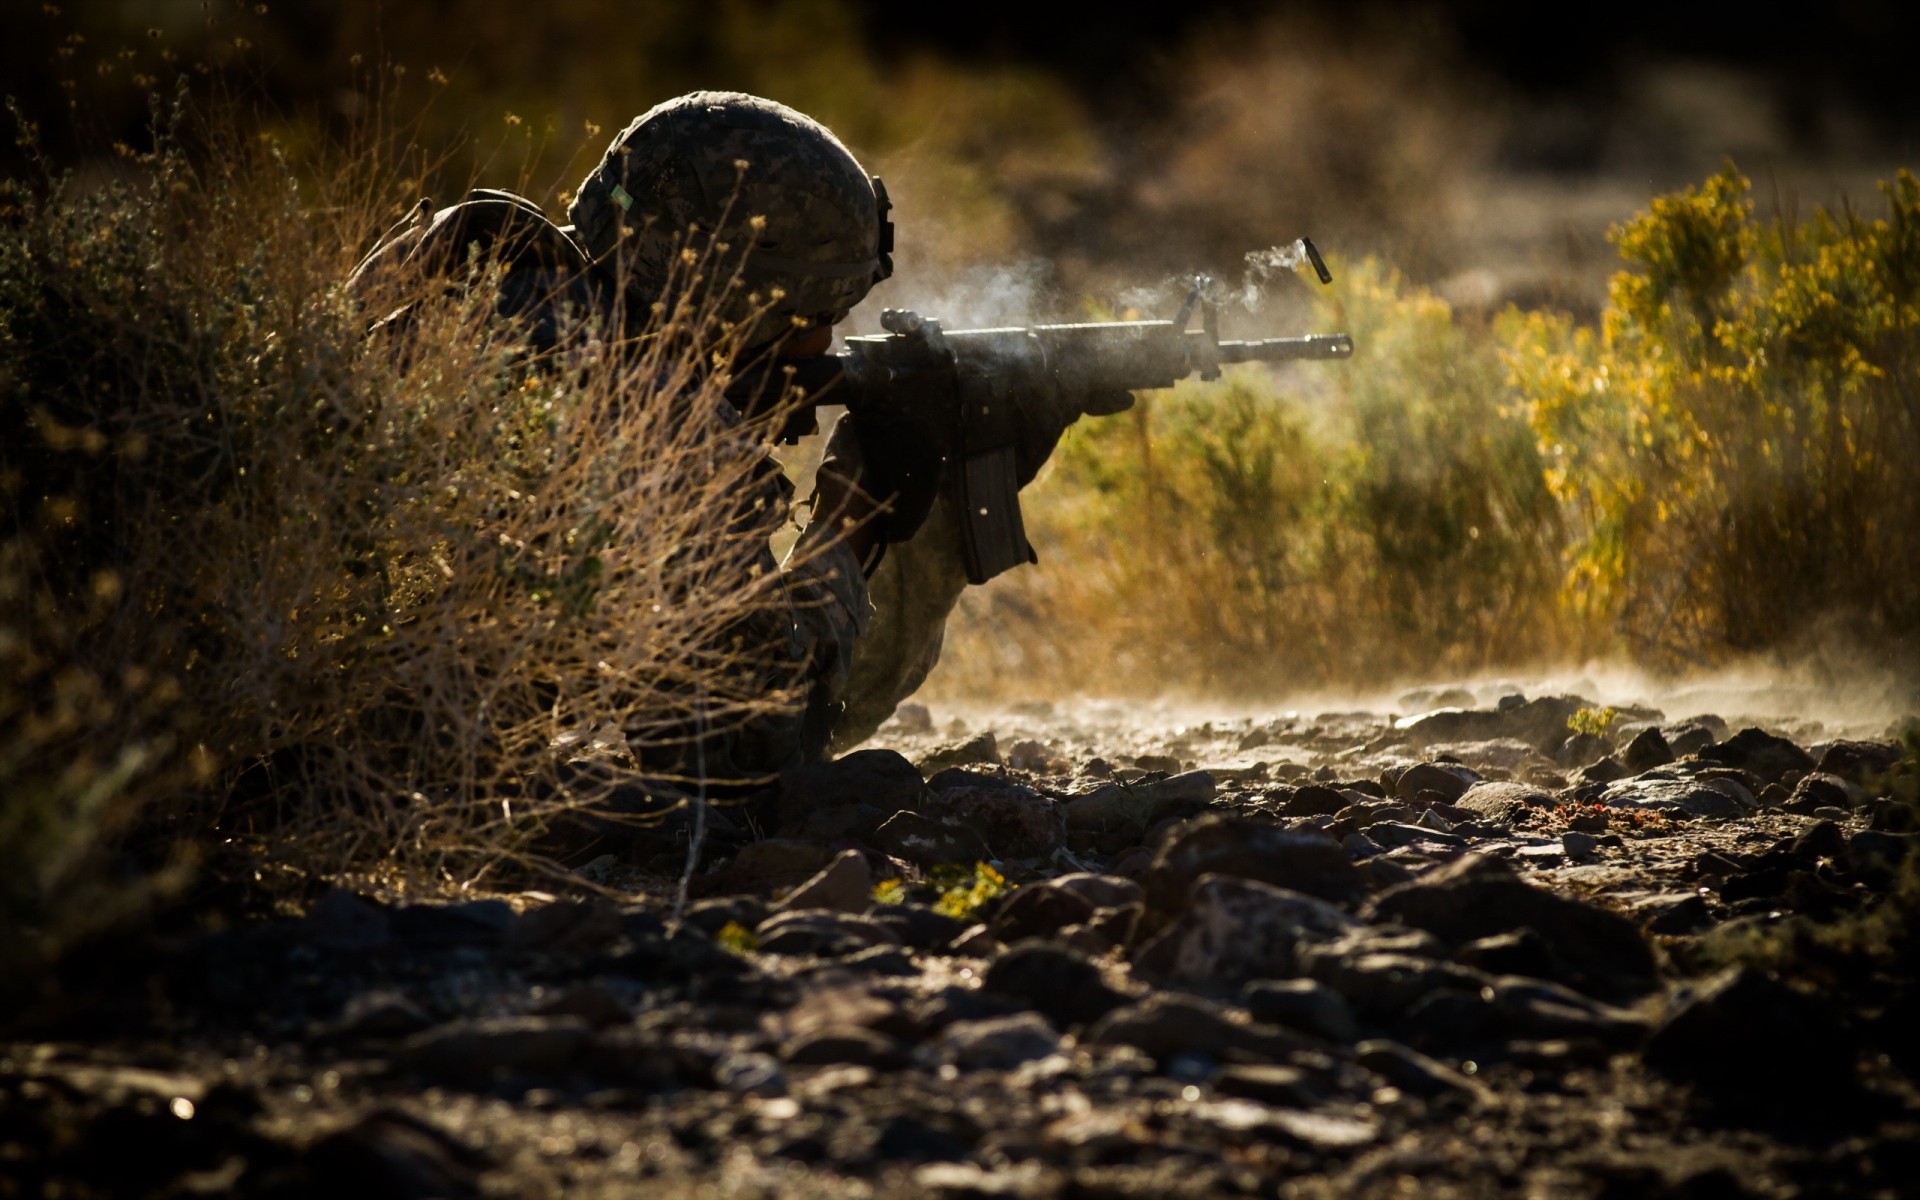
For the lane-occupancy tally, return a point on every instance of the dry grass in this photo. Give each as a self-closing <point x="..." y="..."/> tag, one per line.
<point x="329" y="600"/>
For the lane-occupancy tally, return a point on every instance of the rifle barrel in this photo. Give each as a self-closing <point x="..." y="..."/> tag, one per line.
<point x="1311" y="346"/>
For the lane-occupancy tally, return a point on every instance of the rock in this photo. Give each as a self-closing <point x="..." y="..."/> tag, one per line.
<point x="1167" y="1026"/>
<point x="1871" y="849"/>
<point x="482" y="1053"/>
<point x="930" y="843"/>
<point x="1760" y="752"/>
<point x="1304" y="1004"/>
<point x="845" y="884"/>
<point x="1822" y="839"/>
<point x="1030" y="755"/>
<point x="441" y="926"/>
<point x="347" y="923"/>
<point x="1744" y="1031"/>
<point x="1218" y="845"/>
<point x="1681" y="798"/>
<point x="1268" y="1084"/>
<point x="919" y="927"/>
<point x="1236" y="929"/>
<point x="1540" y="1009"/>
<point x="565" y="927"/>
<point x="1863" y="764"/>
<point x="389" y="1153"/>
<point x="1040" y="910"/>
<point x="1579" y="846"/>
<point x="1064" y="985"/>
<point x="1413" y="1072"/>
<point x="1602" y="770"/>
<point x="772" y="864"/>
<point x="750" y="1073"/>
<point x="1541" y="723"/>
<point x="1821" y="790"/>
<point x="1522" y="952"/>
<point x="882" y="779"/>
<point x="1015" y="821"/>
<point x="590" y="1002"/>
<point x="846" y="1045"/>
<point x="998" y="1043"/>
<point x="1647" y="750"/>
<point x="1394" y="833"/>
<point x="1476" y="896"/>
<point x="913" y="719"/>
<point x="1582" y="750"/>
<point x="1386" y="985"/>
<point x="821" y="933"/>
<point x="380" y="1014"/>
<point x="1506" y="754"/>
<point x="981" y="748"/>
<point x="1691" y="737"/>
<point x="711" y="916"/>
<point x="1504" y="803"/>
<point x="1102" y="891"/>
<point x="1313" y="799"/>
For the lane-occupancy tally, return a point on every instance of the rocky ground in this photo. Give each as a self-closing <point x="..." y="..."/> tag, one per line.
<point x="1471" y="952"/>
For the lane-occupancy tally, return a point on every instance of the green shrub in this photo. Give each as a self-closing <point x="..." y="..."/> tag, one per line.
<point x="1321" y="523"/>
<point x="1734" y="441"/>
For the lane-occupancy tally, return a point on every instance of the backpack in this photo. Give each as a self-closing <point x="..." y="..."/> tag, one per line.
<point x="545" y="270"/>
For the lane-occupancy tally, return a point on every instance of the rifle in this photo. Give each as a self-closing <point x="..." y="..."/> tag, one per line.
<point x="972" y="379"/>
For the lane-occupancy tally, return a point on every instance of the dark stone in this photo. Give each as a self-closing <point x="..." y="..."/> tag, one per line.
<point x="1601" y="952"/>
<point x="1745" y="1031"/>
<point x="1411" y="1071"/>
<point x="919" y="927"/>
<point x="1504" y="802"/>
<point x="1820" y="790"/>
<point x="1039" y="910"/>
<point x="1864" y="764"/>
<point x="1304" y="1004"/>
<point x="1061" y="984"/>
<point x="347" y="923"/>
<point x="999" y="1043"/>
<point x="764" y="867"/>
<point x="711" y="916"/>
<point x="1014" y="821"/>
<point x="851" y="1046"/>
<point x="1604" y="770"/>
<point x="1219" y="845"/>
<point x="565" y="927"/>
<point x="1673" y="915"/>
<point x="389" y="1153"/>
<point x="1582" y="750"/>
<point x="1876" y="848"/>
<point x="822" y="933"/>
<point x="1236" y="929"/>
<point x="1312" y="800"/>
<point x="482" y="1053"/>
<point x="1521" y="952"/>
<point x="1451" y="782"/>
<point x="1167" y="1026"/>
<point x="930" y="843"/>
<point x="980" y="749"/>
<point x="1647" y="750"/>
<point x="883" y="779"/>
<point x="1289" y="1087"/>
<point x="1691" y="737"/>
<point x="1760" y="752"/>
<point x="441" y="926"/>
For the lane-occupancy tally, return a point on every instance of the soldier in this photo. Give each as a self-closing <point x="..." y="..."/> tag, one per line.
<point x="878" y="568"/>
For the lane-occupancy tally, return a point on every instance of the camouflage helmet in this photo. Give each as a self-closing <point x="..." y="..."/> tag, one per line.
<point x="700" y="168"/>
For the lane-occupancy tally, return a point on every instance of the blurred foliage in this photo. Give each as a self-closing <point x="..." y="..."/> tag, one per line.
<point x="1325" y="522"/>
<point x="1734" y="443"/>
<point x="270" y="585"/>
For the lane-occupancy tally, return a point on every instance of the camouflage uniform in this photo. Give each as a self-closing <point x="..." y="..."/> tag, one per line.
<point x="697" y="172"/>
<point x="808" y="226"/>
